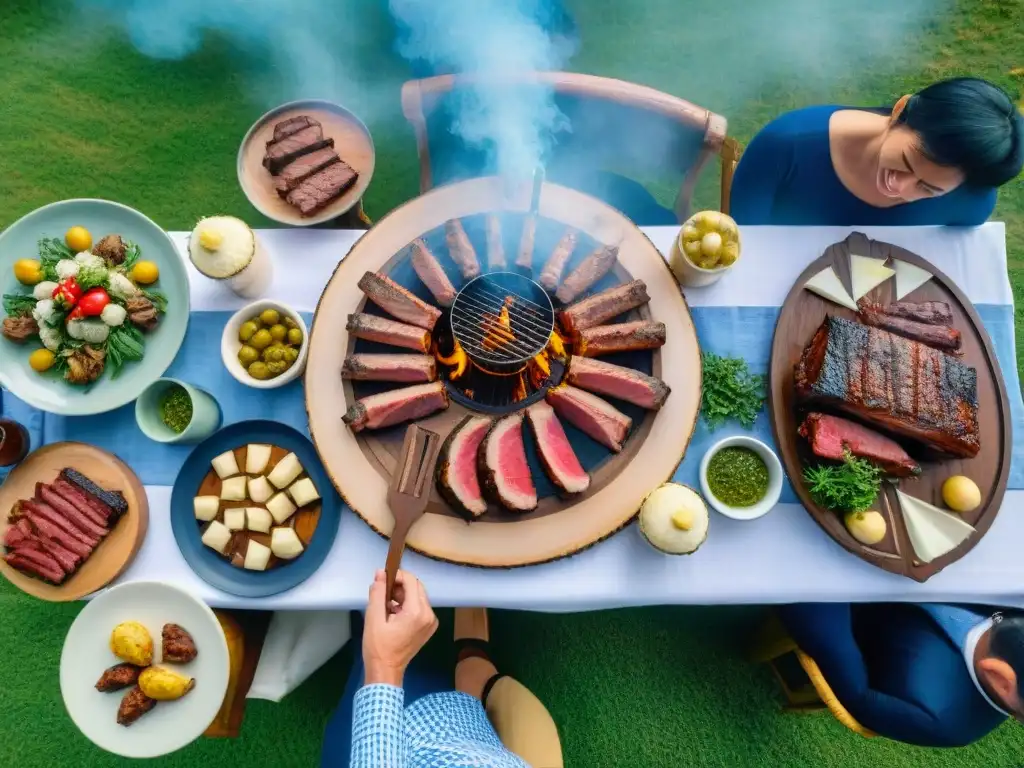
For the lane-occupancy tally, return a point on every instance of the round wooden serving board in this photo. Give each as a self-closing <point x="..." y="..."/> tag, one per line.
<point x="118" y="548"/>
<point x="802" y="314"/>
<point x="360" y="465"/>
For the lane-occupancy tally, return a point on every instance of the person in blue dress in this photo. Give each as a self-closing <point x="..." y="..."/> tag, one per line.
<point x="935" y="158"/>
<point x="398" y="712"/>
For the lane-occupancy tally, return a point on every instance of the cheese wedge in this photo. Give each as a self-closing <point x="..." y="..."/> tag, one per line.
<point x="256" y="458"/>
<point x="909" y="277"/>
<point x="828" y="285"/>
<point x="866" y="274"/>
<point x="933" y="531"/>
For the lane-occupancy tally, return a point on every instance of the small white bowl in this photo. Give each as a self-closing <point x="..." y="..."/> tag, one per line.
<point x="229" y="345"/>
<point x="775" y="477"/>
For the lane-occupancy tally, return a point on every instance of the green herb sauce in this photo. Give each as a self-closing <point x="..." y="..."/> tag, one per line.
<point x="176" y="409"/>
<point x="737" y="477"/>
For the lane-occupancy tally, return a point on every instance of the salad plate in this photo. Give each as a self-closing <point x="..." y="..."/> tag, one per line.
<point x="123" y="374"/>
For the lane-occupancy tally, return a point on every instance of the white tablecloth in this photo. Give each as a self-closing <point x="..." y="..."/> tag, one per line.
<point x="783" y="557"/>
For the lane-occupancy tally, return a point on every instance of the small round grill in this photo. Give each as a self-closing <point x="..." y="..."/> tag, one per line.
<point x="502" y="320"/>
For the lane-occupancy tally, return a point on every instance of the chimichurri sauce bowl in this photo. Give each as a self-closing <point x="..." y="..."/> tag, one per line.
<point x="741" y="477"/>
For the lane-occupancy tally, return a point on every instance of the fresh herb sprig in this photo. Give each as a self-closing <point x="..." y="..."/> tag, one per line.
<point x="848" y="487"/>
<point x="52" y="250"/>
<point x="730" y="391"/>
<point x="158" y="299"/>
<point x="124" y="345"/>
<point x="17" y="305"/>
<point x="132" y="253"/>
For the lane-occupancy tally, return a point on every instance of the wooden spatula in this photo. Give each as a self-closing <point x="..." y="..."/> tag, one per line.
<point x="409" y="492"/>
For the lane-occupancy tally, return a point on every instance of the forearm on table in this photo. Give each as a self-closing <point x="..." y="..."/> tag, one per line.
<point x="378" y="733"/>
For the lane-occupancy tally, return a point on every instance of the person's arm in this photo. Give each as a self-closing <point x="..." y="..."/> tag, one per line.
<point x="378" y="736"/>
<point x="763" y="166"/>
<point x="972" y="208"/>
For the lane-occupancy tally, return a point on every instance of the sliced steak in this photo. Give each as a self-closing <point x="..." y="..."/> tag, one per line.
<point x="386" y="367"/>
<point x="397" y="301"/>
<point x="70" y="511"/>
<point x="385" y="331"/>
<point x="897" y="385"/>
<point x="937" y="336"/>
<point x="601" y="307"/>
<point x="51" y="524"/>
<point x="495" y="245"/>
<point x="16" y="537"/>
<point x="77" y="500"/>
<point x="322" y="188"/>
<point x="591" y="269"/>
<point x="831" y="436"/>
<point x="280" y="153"/>
<point x="397" y="405"/>
<point x="47" y="570"/>
<point x="551" y="274"/>
<point x="291" y="126"/>
<point x="460" y="249"/>
<point x="524" y="258"/>
<point x="113" y="501"/>
<point x="617" y="381"/>
<point x="604" y="339"/>
<point x="931" y="312"/>
<point x="302" y="168"/>
<point x="430" y="271"/>
<point x="501" y="463"/>
<point x="590" y="414"/>
<point x="456" y="477"/>
<point x="555" y="451"/>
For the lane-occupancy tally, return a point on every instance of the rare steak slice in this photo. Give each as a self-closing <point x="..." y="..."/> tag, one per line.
<point x="621" y="337"/>
<point x="322" y="188"/>
<point x="503" y="470"/>
<point x="495" y="245"/>
<point x="280" y="153"/>
<point x="397" y="301"/>
<point x="292" y="125"/>
<point x="430" y="271"/>
<point x="524" y="258"/>
<point x="397" y="405"/>
<point x="602" y="307"/>
<point x="460" y="249"/>
<point x="617" y="381"/>
<point x="47" y="570"/>
<point x="590" y="270"/>
<point x="302" y="168"/>
<point x="556" y="454"/>
<point x="385" y="331"/>
<point x="831" y="436"/>
<point x="457" y="478"/>
<point x="551" y="274"/>
<point x="408" y="369"/>
<point x="590" y="414"/>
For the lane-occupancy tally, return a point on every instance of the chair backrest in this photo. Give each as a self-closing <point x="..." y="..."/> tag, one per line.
<point x="617" y="126"/>
<point x="824" y="690"/>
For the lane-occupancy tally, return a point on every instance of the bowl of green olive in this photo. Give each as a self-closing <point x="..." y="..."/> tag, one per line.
<point x="264" y="344"/>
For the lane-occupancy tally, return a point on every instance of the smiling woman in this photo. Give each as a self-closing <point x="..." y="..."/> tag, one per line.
<point x="936" y="157"/>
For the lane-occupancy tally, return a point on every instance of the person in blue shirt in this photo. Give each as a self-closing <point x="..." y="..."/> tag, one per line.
<point x="396" y="712"/>
<point x="936" y="157"/>
<point x="933" y="675"/>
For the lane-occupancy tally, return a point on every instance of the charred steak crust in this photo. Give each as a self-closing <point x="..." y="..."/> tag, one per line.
<point x="591" y="269"/>
<point x="178" y="645"/>
<point x="895" y="384"/>
<point x="322" y="188"/>
<point x="292" y="125"/>
<point x="118" y="677"/>
<point x="938" y="336"/>
<point x="444" y="467"/>
<point x="113" y="500"/>
<point x="302" y="142"/>
<point x="601" y="307"/>
<point x="133" y="706"/>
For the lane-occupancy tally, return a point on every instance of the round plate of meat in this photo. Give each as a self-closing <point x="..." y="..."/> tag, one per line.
<point x="95" y="306"/>
<point x="144" y="669"/>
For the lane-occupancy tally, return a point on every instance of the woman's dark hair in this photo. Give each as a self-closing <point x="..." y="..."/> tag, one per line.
<point x="969" y="124"/>
<point x="1007" y="643"/>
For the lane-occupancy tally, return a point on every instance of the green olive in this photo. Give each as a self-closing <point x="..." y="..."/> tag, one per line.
<point x="277" y="368"/>
<point x="261" y="339"/>
<point x="247" y="331"/>
<point x="259" y="371"/>
<point x="289" y="323"/>
<point x="278" y="332"/>
<point x="247" y="355"/>
<point x="270" y="317"/>
<point x="294" y="336"/>
<point x="273" y="354"/>
<point x="291" y="354"/>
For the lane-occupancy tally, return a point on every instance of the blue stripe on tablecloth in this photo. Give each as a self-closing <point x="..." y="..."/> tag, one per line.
<point x="742" y="331"/>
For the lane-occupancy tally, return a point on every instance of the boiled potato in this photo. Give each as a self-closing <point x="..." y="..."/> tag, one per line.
<point x="711" y="240"/>
<point x="285" y="543"/>
<point x="164" y="684"/>
<point x="286" y="471"/>
<point x="256" y="556"/>
<point x="260" y="489"/>
<point x="303" y="492"/>
<point x="206" y="507"/>
<point x="225" y="465"/>
<point x="233" y="489"/>
<point x="258" y="519"/>
<point x="280" y="507"/>
<point x="217" y="536"/>
<point x="256" y="458"/>
<point x="131" y="642"/>
<point x="234" y="519"/>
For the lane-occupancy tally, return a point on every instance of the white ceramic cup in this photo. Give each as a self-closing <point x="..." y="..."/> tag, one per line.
<point x="775" y="478"/>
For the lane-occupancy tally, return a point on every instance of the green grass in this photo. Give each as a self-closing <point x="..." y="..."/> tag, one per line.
<point x="84" y="115"/>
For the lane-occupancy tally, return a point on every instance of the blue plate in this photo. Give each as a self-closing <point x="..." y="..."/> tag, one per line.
<point x="213" y="568"/>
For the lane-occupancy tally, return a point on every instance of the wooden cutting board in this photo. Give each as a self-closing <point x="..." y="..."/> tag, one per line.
<point x="801" y="315"/>
<point x="115" y="552"/>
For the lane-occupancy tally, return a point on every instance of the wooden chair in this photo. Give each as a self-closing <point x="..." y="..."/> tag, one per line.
<point x="615" y="126"/>
<point x="771" y="645"/>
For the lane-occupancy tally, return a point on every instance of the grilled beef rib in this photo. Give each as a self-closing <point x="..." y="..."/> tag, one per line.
<point x="385" y="331"/>
<point x="460" y="249"/>
<point x="621" y="337"/>
<point x="591" y="269"/>
<point x="397" y="301"/>
<point x="430" y="271"/>
<point x="396" y="405"/>
<point x="551" y="274"/>
<point x="602" y="307"/>
<point x="938" y="336"/>
<point x="409" y="369"/>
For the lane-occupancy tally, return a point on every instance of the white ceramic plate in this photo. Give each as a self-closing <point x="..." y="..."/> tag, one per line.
<point x="170" y="725"/>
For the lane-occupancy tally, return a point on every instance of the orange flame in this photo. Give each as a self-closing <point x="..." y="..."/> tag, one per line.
<point x="498" y="327"/>
<point x="458" y="359"/>
<point x="556" y="346"/>
<point x="519" y="391"/>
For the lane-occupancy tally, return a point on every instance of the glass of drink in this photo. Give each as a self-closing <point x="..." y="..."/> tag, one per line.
<point x="14" y="442"/>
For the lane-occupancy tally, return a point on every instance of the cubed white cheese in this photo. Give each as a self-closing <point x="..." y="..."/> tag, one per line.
<point x="225" y="465"/>
<point x="256" y="458"/>
<point x="233" y="489"/>
<point x="234" y="518"/>
<point x="281" y="507"/>
<point x="258" y="519"/>
<point x="216" y="536"/>
<point x="285" y="543"/>
<point x="303" y="492"/>
<point x="256" y="556"/>
<point x="286" y="471"/>
<point x="259" y="489"/>
<point x="206" y="507"/>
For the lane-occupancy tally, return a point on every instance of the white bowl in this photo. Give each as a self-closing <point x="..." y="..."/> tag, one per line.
<point x="229" y="345"/>
<point x="775" y="477"/>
